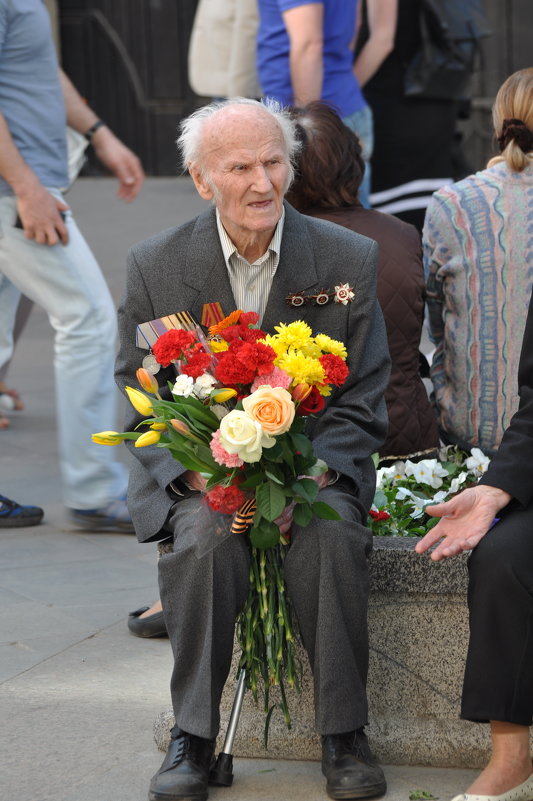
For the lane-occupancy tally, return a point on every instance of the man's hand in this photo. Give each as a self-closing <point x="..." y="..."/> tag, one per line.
<point x="121" y="161"/>
<point x="39" y="212"/>
<point x="466" y="518"/>
<point x="284" y="521"/>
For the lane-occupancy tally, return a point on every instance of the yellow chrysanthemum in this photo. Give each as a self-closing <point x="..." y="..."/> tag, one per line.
<point x="329" y="345"/>
<point x="218" y="346"/>
<point x="301" y="368"/>
<point x="294" y="335"/>
<point x="274" y="343"/>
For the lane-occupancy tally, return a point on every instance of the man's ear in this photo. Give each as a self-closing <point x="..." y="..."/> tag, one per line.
<point x="202" y="186"/>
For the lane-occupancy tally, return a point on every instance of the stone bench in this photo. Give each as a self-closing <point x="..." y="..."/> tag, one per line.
<point x="418" y="638"/>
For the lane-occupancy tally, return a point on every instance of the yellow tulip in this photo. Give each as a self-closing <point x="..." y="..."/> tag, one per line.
<point x="223" y="395"/>
<point x="148" y="438"/>
<point x="147" y="381"/>
<point x="158" y="427"/>
<point x="107" y="438"/>
<point x="139" y="401"/>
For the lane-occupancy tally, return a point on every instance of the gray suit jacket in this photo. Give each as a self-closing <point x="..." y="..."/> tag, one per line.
<point x="183" y="268"/>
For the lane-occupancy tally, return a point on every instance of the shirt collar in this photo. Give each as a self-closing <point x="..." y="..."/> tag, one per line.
<point x="228" y="248"/>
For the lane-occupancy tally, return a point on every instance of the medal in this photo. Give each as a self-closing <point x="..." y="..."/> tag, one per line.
<point x="151" y="364"/>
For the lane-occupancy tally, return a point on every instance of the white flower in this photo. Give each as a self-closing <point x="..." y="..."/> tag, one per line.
<point x="394" y="473"/>
<point x="427" y="471"/>
<point x="457" y="481"/>
<point x="183" y="386"/>
<point x="203" y="385"/>
<point x="242" y="435"/>
<point x="419" y="504"/>
<point x="343" y="294"/>
<point x="439" y="497"/>
<point x="478" y="462"/>
<point x="219" y="410"/>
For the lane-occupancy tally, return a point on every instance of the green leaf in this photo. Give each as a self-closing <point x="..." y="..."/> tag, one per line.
<point x="264" y="534"/>
<point x="306" y="488"/>
<point x="252" y="480"/>
<point x="303" y="444"/>
<point x="274" y="473"/>
<point x="380" y="499"/>
<point x="270" y="499"/>
<point x="303" y="514"/>
<point x="325" y="511"/>
<point x="287" y="454"/>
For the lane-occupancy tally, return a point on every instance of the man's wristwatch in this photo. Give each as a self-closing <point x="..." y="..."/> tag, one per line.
<point x="92" y="130"/>
<point x="180" y="488"/>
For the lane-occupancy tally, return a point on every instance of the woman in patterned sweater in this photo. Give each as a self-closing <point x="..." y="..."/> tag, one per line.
<point x="478" y="260"/>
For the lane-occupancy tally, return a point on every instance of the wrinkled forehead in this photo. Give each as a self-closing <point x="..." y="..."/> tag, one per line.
<point x="240" y="132"/>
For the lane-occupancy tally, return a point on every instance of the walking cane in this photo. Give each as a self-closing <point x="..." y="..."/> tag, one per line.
<point x="222" y="773"/>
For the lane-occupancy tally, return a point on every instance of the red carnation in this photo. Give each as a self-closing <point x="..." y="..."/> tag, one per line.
<point x="313" y="404"/>
<point x="230" y="371"/>
<point x="243" y="361"/>
<point x="335" y="369"/>
<point x="225" y="500"/>
<point x="379" y="515"/>
<point x="197" y="362"/>
<point x="248" y="318"/>
<point x="235" y="333"/>
<point x="171" y="345"/>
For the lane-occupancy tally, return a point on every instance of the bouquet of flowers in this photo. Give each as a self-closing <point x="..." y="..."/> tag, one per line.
<point x="237" y="416"/>
<point x="404" y="489"/>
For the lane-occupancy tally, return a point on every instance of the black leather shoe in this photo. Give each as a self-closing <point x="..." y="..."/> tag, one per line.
<point x="349" y="767"/>
<point x="151" y="626"/>
<point x="184" y="774"/>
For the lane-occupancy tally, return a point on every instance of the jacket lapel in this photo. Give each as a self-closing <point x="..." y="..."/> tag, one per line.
<point x="296" y="271"/>
<point x="206" y="270"/>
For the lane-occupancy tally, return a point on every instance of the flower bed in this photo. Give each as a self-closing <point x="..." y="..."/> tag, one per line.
<point x="406" y="488"/>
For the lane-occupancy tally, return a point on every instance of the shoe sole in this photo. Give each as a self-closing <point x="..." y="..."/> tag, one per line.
<point x="365" y="792"/>
<point x="94" y="525"/>
<point x="19" y="522"/>
<point x="153" y="796"/>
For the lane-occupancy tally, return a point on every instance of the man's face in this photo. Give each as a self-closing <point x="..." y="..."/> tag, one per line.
<point x="245" y="171"/>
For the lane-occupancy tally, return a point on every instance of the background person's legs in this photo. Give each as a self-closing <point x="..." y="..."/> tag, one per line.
<point x="67" y="282"/>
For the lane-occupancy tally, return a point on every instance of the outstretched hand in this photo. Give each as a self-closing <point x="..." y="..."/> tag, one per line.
<point x="121" y="161"/>
<point x="466" y="518"/>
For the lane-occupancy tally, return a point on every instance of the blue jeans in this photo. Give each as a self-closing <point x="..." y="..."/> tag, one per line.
<point x="361" y="123"/>
<point x="67" y="282"/>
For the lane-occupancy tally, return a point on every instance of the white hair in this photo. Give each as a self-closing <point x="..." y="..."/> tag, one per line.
<point x="189" y="141"/>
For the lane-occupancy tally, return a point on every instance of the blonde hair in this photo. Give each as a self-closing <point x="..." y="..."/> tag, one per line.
<point x="514" y="101"/>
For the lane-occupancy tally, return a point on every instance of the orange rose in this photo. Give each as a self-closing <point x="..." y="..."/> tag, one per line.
<point x="272" y="408"/>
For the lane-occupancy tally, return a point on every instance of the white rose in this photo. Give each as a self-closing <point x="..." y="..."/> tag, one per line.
<point x="203" y="385"/>
<point x="241" y="435"/>
<point x="183" y="386"/>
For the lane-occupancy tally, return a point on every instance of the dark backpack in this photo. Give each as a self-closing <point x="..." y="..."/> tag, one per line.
<point x="450" y="32"/>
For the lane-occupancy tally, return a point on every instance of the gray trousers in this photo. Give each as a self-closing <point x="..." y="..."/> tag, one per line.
<point x="203" y="589"/>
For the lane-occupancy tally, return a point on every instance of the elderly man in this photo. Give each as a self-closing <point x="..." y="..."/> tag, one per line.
<point x="251" y="251"/>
